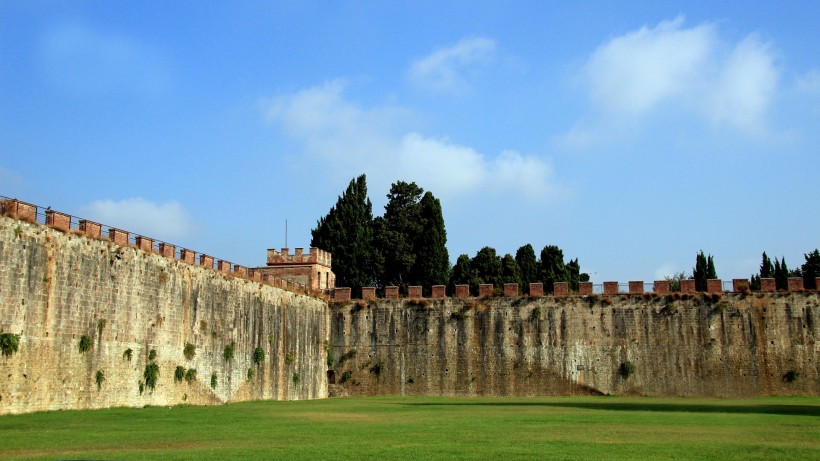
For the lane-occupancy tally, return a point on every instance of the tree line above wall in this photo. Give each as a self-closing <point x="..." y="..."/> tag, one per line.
<point x="407" y="246"/>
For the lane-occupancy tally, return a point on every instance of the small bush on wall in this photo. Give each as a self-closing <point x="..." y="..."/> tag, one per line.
<point x="9" y="343"/>
<point x="258" y="356"/>
<point x="229" y="351"/>
<point x="626" y="369"/>
<point x="189" y="351"/>
<point x="85" y="343"/>
<point x="179" y="374"/>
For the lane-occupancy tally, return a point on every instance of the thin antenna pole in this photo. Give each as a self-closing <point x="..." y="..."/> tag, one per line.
<point x="286" y="233"/>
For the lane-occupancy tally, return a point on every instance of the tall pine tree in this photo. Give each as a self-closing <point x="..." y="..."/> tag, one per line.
<point x="432" y="265"/>
<point x="701" y="271"/>
<point x="811" y="270"/>
<point x="528" y="264"/>
<point x="347" y="233"/>
<point x="553" y="268"/>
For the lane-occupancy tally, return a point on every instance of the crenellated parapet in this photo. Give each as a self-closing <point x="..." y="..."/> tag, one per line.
<point x="635" y="288"/>
<point x="283" y="256"/>
<point x="67" y="223"/>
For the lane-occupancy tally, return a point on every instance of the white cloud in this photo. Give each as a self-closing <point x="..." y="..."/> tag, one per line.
<point x="349" y="140"/>
<point x="165" y="221"/>
<point x="444" y="69"/>
<point x="689" y="68"/>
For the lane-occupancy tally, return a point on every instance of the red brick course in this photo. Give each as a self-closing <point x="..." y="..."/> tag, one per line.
<point x="439" y="291"/>
<point x="462" y="291"/>
<point x="510" y="289"/>
<point x="560" y="289"/>
<point x="485" y="290"/>
<point x="57" y="220"/>
<point x="661" y="287"/>
<point x="536" y="290"/>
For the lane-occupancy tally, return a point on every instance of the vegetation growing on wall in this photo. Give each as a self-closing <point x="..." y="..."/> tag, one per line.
<point x="189" y="351"/>
<point x="9" y="343"/>
<point x="258" y="356"/>
<point x="179" y="374"/>
<point x="228" y="352"/>
<point x="213" y="380"/>
<point x="85" y="343"/>
<point x="99" y="378"/>
<point x="190" y="375"/>
<point x="127" y="354"/>
<point x="290" y="357"/>
<point x="151" y="375"/>
<point x="626" y="369"/>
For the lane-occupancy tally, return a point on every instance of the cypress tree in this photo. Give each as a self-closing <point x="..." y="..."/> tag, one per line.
<point x="397" y="242"/>
<point x="700" y="272"/>
<point x="528" y="264"/>
<point x="811" y="270"/>
<point x="510" y="272"/>
<point x="781" y="274"/>
<point x="487" y="266"/>
<point x="432" y="265"/>
<point x="766" y="267"/>
<point x="463" y="273"/>
<point x="347" y="233"/>
<point x="553" y="268"/>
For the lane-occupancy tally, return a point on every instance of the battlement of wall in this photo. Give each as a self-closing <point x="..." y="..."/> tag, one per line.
<point x="71" y="224"/>
<point x="283" y="257"/>
<point x="561" y="289"/>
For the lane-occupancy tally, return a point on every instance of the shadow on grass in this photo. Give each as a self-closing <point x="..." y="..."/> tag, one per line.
<point x="786" y="409"/>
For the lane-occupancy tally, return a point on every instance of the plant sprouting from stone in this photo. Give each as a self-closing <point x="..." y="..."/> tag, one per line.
<point x="190" y="375"/>
<point x="85" y="343"/>
<point x="189" y="351"/>
<point x="213" y="380"/>
<point x="9" y="343"/>
<point x="229" y="350"/>
<point x="128" y="354"/>
<point x="99" y="378"/>
<point x="258" y="356"/>
<point x="151" y="375"/>
<point x="179" y="374"/>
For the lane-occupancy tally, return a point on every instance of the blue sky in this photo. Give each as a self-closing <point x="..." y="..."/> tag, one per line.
<point x="630" y="135"/>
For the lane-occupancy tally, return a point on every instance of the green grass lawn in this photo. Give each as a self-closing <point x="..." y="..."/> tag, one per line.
<point x="428" y="427"/>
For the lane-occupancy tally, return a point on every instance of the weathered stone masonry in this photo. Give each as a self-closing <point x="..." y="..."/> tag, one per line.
<point x="58" y="284"/>
<point x="56" y="287"/>
<point x="683" y="345"/>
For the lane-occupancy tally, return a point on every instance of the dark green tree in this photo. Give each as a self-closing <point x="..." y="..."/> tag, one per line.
<point x="487" y="265"/>
<point x="573" y="274"/>
<point x="432" y="265"/>
<point x="510" y="272"/>
<point x="463" y="273"/>
<point x="811" y="270"/>
<point x="702" y="271"/>
<point x="766" y="267"/>
<point x="528" y="264"/>
<point x="347" y="233"/>
<point x="402" y="226"/>
<point x="781" y="274"/>
<point x="553" y="268"/>
<point x="710" y="268"/>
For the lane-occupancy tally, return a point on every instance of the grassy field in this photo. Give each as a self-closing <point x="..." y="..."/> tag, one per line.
<point x="428" y="427"/>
